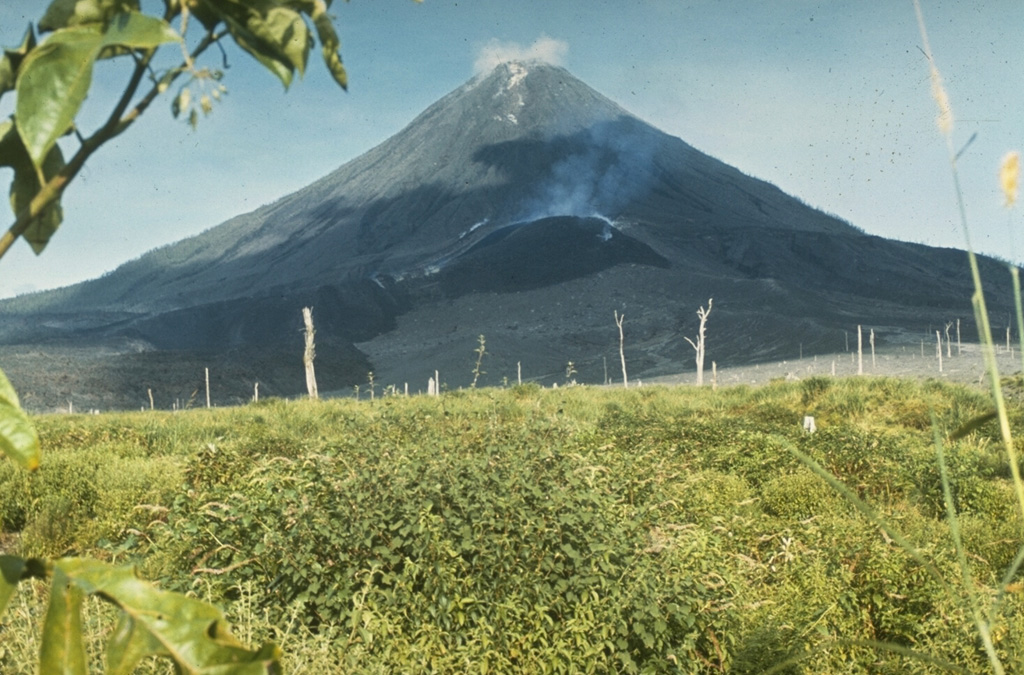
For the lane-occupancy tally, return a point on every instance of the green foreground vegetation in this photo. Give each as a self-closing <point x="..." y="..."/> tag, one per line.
<point x="530" y="530"/>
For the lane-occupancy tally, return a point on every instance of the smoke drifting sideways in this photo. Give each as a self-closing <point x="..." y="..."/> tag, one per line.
<point x="604" y="169"/>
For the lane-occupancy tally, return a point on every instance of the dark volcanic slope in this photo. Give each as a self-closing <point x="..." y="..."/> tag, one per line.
<point x="522" y="143"/>
<point x="542" y="253"/>
<point x="521" y="184"/>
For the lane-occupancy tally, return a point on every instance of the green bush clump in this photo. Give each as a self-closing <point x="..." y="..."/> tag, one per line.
<point x="799" y="495"/>
<point x="869" y="461"/>
<point x="813" y="388"/>
<point x="757" y="456"/>
<point x="15" y="497"/>
<point x="76" y="498"/>
<point x="512" y="550"/>
<point x="710" y="493"/>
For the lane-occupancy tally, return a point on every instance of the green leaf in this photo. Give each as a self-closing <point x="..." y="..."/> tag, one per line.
<point x="128" y="645"/>
<point x="54" y="78"/>
<point x="63" y="650"/>
<point x="138" y="31"/>
<point x="192" y="633"/>
<point x="26" y="186"/>
<point x="12" y="569"/>
<point x="10" y="142"/>
<point x="273" y="34"/>
<point x="53" y="81"/>
<point x="329" y="44"/>
<point x="70" y="13"/>
<point x="286" y="29"/>
<point x="12" y="59"/>
<point x="18" y="439"/>
<point x="199" y="9"/>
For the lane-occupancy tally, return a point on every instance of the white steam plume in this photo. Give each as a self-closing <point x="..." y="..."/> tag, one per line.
<point x="496" y="52"/>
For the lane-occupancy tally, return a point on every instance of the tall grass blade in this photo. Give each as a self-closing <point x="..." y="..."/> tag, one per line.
<point x="965" y="569"/>
<point x="1015" y="278"/>
<point x="978" y="300"/>
<point x="972" y="425"/>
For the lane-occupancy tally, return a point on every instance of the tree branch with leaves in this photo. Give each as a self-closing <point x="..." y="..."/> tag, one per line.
<point x="52" y="77"/>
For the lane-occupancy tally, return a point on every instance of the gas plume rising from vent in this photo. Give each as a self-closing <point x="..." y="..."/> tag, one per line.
<point x="609" y="165"/>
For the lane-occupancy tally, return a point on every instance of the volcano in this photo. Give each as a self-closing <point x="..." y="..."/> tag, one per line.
<point x="523" y="206"/>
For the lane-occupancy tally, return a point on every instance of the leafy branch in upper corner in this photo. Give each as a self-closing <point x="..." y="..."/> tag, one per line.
<point x="52" y="77"/>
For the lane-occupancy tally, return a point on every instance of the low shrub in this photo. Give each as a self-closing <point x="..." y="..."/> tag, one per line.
<point x="513" y="550"/>
<point x="799" y="495"/>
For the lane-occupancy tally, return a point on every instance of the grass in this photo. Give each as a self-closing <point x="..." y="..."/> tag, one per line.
<point x="681" y="502"/>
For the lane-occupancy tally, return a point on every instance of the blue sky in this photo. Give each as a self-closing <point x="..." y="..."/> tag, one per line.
<point x="829" y="100"/>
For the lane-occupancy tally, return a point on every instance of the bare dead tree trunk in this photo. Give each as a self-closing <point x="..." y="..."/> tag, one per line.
<point x="938" y="348"/>
<point x="150" y="392"/>
<point x="310" y="353"/>
<point x="622" y="352"/>
<point x="860" y="351"/>
<point x="698" y="346"/>
<point x="207" y="377"/>
<point x="949" y="343"/>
